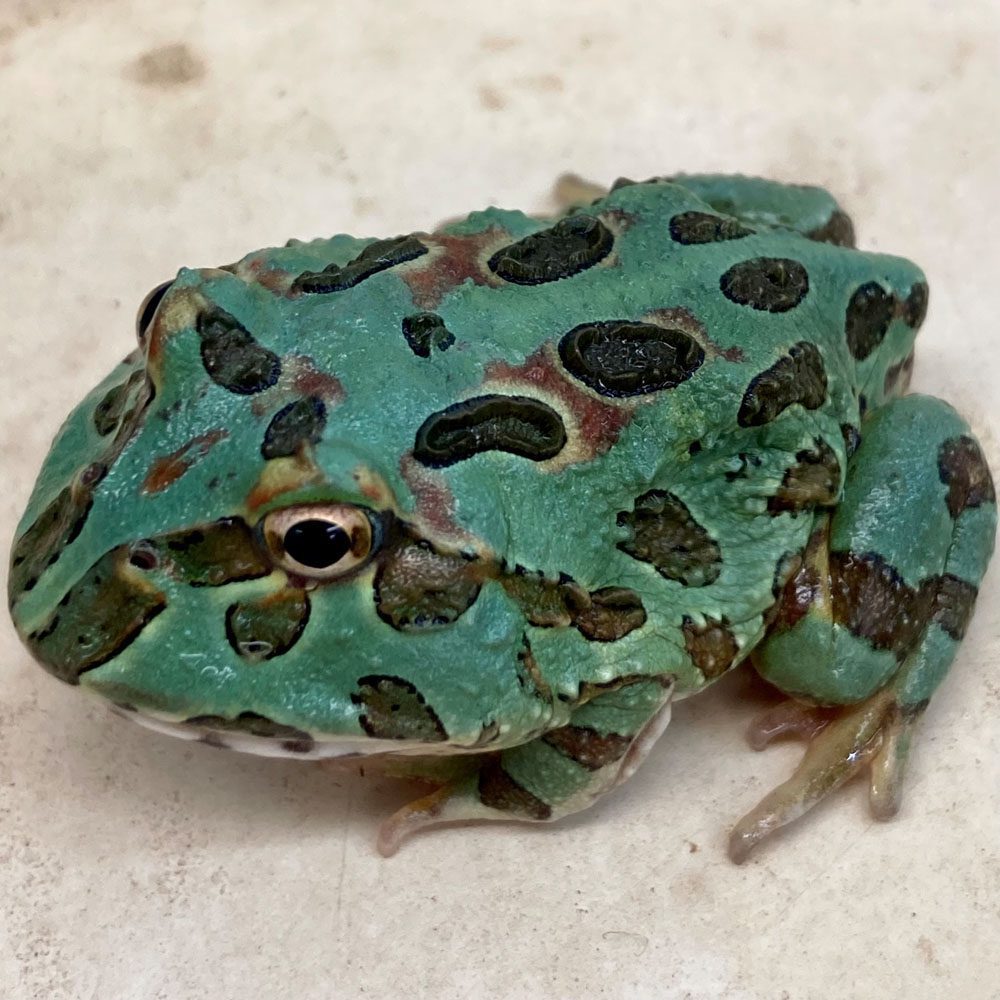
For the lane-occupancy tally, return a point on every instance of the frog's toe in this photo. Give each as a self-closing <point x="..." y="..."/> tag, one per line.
<point x="789" y="718"/>
<point x="428" y="810"/>
<point x="838" y="750"/>
<point x="889" y="763"/>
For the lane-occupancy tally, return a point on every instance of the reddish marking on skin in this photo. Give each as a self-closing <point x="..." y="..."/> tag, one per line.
<point x="167" y="470"/>
<point x="435" y="503"/>
<point x="299" y="377"/>
<point x="451" y="261"/>
<point x="310" y="381"/>
<point x="599" y="423"/>
<point x="259" y="269"/>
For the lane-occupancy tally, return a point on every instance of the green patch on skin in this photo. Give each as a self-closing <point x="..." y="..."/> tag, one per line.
<point x="824" y="664"/>
<point x="544" y="772"/>
<point x="926" y="667"/>
<point x="968" y="557"/>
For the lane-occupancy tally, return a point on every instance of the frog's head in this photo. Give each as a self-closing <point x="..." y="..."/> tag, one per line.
<point x="231" y="538"/>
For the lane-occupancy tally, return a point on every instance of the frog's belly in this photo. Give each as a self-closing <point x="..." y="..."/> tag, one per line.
<point x="303" y="748"/>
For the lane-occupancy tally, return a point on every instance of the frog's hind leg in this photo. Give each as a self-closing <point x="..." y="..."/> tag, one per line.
<point x="561" y="772"/>
<point x="872" y="619"/>
<point x="811" y="211"/>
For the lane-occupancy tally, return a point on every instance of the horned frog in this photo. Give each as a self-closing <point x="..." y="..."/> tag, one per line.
<point x="498" y="494"/>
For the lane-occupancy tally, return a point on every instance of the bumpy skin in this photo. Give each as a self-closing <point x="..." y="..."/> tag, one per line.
<point x="602" y="458"/>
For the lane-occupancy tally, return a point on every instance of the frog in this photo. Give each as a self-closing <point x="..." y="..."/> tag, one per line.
<point x="480" y="503"/>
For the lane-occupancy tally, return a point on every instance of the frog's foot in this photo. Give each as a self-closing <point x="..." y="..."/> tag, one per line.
<point x="561" y="772"/>
<point x="572" y="191"/>
<point x="842" y="742"/>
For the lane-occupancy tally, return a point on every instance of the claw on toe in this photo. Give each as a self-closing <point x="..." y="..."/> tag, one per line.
<point x="874" y="732"/>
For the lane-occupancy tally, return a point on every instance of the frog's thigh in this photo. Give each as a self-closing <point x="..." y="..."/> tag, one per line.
<point x="888" y="584"/>
<point x="561" y="772"/>
<point x="873" y="618"/>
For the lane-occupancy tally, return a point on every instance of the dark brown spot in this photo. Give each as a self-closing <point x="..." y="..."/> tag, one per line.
<point x="418" y="587"/>
<point x="529" y="673"/>
<point x="44" y="541"/>
<point x="498" y="790"/>
<point x="953" y="605"/>
<point x="769" y="284"/>
<point x="589" y="748"/>
<point x="376" y="257"/>
<point x="712" y="646"/>
<point x="597" y="423"/>
<point x="231" y="356"/>
<point x="546" y="603"/>
<point x="265" y="627"/>
<point x="613" y="612"/>
<point x="814" y="481"/>
<point x="799" y="582"/>
<point x="798" y="377"/>
<point x="625" y="358"/>
<point x="663" y="532"/>
<point x="964" y="471"/>
<point x="393" y="709"/>
<point x="519" y="425"/>
<point x="108" y="412"/>
<point x="915" y="305"/>
<point x="424" y="331"/>
<point x="871" y="599"/>
<point x="567" y="248"/>
<point x="294" y="426"/>
<point x="294" y="740"/>
<point x="867" y="319"/>
<point x="852" y="438"/>
<point x="215" y="554"/>
<point x="97" y="619"/>
<point x="702" y="227"/>
<point x="838" y="230"/>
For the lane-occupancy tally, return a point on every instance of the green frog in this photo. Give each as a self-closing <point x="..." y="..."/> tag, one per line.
<point x="485" y="501"/>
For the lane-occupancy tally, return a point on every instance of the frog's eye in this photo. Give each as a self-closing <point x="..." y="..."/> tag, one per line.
<point x="144" y="317"/>
<point x="321" y="541"/>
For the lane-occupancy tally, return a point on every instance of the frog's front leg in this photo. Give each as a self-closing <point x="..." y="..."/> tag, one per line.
<point x="561" y="772"/>
<point x="869" y="624"/>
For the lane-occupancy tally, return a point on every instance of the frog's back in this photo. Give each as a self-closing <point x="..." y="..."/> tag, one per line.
<point x="555" y="380"/>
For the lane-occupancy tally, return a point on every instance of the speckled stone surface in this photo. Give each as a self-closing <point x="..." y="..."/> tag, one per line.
<point x="136" y="137"/>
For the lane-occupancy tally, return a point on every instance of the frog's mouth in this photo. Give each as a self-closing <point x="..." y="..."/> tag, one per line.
<point x="260" y="736"/>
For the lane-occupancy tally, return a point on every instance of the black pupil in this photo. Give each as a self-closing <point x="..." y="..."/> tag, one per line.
<point x="316" y="543"/>
<point x="149" y="307"/>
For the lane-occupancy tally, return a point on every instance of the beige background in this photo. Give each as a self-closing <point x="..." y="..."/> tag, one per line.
<point x="136" y="137"/>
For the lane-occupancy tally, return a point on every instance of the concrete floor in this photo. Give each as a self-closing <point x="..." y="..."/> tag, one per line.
<point x="139" y="136"/>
